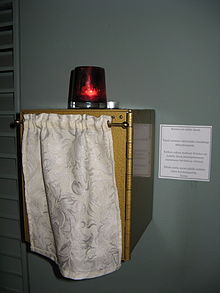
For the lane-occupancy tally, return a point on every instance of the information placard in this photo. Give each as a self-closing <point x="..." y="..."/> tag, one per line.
<point x="185" y="152"/>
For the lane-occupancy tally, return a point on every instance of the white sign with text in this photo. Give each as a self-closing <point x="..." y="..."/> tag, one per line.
<point x="185" y="152"/>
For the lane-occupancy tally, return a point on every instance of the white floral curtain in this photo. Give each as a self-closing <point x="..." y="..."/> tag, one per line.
<point x="70" y="192"/>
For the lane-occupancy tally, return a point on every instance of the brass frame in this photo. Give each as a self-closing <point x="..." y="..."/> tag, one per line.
<point x="128" y="195"/>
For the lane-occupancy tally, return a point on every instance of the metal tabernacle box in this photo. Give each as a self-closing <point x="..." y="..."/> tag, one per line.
<point x="133" y="142"/>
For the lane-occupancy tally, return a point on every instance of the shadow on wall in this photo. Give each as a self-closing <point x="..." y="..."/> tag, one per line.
<point x="156" y="262"/>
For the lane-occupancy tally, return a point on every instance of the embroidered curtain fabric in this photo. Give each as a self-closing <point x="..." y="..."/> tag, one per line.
<point x="70" y="192"/>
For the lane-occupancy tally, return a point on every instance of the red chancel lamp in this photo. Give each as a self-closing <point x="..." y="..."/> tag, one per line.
<point x="87" y="88"/>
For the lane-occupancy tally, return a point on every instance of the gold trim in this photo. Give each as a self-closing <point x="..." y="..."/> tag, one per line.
<point x="128" y="192"/>
<point x="73" y="111"/>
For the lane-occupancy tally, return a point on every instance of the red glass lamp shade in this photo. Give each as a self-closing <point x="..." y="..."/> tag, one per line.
<point x="87" y="87"/>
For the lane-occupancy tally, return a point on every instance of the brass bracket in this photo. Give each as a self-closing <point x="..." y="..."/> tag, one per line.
<point x="123" y="124"/>
<point x="16" y="123"/>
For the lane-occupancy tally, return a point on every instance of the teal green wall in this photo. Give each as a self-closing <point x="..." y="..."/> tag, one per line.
<point x="157" y="54"/>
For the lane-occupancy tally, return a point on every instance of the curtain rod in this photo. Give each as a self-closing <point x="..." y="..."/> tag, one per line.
<point x="124" y="124"/>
